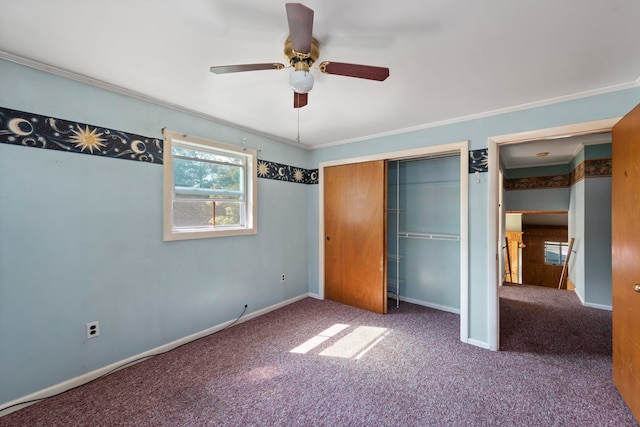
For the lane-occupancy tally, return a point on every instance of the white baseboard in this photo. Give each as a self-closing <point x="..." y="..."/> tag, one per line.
<point x="598" y="306"/>
<point x="592" y="305"/>
<point x="89" y="376"/>
<point x="471" y="341"/>
<point x="316" y="296"/>
<point x="480" y="344"/>
<point x="430" y="305"/>
<point x="265" y="310"/>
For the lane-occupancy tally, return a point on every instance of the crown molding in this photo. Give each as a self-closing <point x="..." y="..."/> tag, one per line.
<point x="520" y="107"/>
<point x="140" y="96"/>
<point x="137" y="95"/>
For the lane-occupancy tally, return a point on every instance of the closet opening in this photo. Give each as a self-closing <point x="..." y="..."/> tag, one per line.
<point x="423" y="231"/>
<point x="448" y="160"/>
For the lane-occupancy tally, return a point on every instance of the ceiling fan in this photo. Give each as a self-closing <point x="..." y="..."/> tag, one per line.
<point x="302" y="50"/>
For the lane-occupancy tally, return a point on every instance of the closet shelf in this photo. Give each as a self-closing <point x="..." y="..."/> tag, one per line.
<point x="442" y="183"/>
<point x="428" y="236"/>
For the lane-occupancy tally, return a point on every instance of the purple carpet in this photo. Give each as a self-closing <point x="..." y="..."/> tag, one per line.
<point x="355" y="368"/>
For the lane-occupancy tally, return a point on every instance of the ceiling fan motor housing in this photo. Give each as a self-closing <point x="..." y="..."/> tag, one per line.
<point x="301" y="61"/>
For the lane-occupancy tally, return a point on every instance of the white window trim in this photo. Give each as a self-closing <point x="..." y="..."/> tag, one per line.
<point x="251" y="225"/>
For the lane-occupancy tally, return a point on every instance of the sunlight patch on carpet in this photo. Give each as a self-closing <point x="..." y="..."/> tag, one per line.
<point x="263" y="373"/>
<point x="319" y="339"/>
<point x="357" y="343"/>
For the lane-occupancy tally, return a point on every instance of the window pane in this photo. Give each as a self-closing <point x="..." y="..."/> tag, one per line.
<point x="564" y="250"/>
<point x="192" y="213"/>
<point x="229" y="213"/>
<point x="555" y="253"/>
<point x="196" y="174"/>
<point x="200" y="213"/>
<point x="205" y="155"/>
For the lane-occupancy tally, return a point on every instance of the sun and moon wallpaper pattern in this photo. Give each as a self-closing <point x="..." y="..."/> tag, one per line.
<point x="280" y="172"/>
<point x="479" y="160"/>
<point x="33" y="130"/>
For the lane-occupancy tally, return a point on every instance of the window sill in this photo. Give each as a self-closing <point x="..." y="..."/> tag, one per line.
<point x="187" y="234"/>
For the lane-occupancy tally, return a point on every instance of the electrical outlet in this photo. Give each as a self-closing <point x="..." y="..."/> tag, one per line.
<point x="283" y="277"/>
<point x="93" y="329"/>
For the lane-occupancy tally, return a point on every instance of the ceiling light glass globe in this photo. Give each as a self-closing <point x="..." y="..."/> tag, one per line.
<point x="301" y="81"/>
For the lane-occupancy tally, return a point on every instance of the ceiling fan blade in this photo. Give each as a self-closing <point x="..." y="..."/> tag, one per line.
<point x="354" y="70"/>
<point x="224" y="69"/>
<point x="300" y="19"/>
<point x="300" y="99"/>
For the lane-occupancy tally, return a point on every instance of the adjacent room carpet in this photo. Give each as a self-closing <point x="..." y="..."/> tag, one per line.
<point x="350" y="367"/>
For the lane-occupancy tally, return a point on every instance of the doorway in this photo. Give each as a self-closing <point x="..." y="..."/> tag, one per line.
<point x="462" y="149"/>
<point x="495" y="189"/>
<point x="536" y="244"/>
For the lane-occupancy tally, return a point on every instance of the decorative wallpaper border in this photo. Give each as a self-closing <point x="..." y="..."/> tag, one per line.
<point x="590" y="168"/>
<point x="34" y="130"/>
<point x="281" y="172"/>
<point x="538" y="182"/>
<point x="479" y="160"/>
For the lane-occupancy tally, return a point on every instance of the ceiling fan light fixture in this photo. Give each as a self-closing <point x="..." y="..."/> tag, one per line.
<point x="302" y="51"/>
<point x="301" y="81"/>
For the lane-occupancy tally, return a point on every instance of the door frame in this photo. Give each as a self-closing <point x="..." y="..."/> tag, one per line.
<point x="461" y="148"/>
<point x="495" y="187"/>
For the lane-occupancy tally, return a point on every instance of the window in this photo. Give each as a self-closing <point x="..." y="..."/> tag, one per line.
<point x="209" y="188"/>
<point x="555" y="253"/>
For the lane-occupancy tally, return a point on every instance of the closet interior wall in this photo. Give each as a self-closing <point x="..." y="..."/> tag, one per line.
<point x="423" y="241"/>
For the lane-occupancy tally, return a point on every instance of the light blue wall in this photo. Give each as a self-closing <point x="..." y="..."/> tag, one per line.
<point x="81" y="240"/>
<point x="590" y="225"/>
<point x="600" y="151"/>
<point x="430" y="202"/>
<point x="537" y="171"/>
<point x="598" y="232"/>
<point x="477" y="132"/>
<point x="597" y="217"/>
<point x="548" y="199"/>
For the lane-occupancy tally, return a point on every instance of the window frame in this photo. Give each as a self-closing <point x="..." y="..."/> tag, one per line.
<point x="250" y="181"/>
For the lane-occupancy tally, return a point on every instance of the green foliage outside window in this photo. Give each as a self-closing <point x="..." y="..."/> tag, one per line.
<point x="197" y="170"/>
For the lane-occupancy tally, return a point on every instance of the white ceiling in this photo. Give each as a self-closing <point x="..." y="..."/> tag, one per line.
<point x="448" y="59"/>
<point x="560" y="151"/>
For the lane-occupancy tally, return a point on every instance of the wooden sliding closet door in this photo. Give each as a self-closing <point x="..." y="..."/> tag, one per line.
<point x="355" y="235"/>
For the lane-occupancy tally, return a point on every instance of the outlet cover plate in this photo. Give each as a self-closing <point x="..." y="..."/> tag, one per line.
<point x="93" y="329"/>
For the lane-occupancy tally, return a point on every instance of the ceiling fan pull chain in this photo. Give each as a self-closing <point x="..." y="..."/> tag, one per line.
<point x="298" y="138"/>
